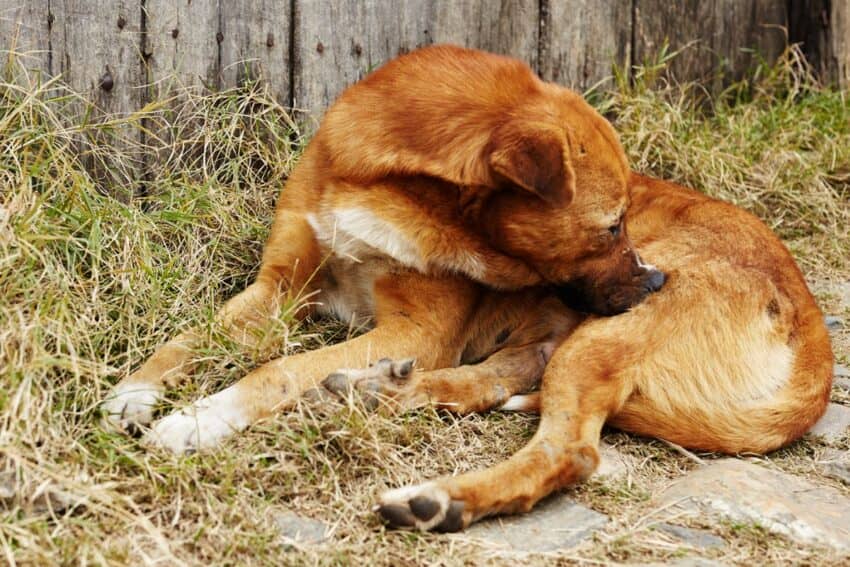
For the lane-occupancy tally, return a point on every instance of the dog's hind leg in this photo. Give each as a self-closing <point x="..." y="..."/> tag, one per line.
<point x="290" y="260"/>
<point x="395" y="385"/>
<point x="578" y="393"/>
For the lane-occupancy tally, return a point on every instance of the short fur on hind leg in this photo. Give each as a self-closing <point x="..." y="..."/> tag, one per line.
<point x="563" y="451"/>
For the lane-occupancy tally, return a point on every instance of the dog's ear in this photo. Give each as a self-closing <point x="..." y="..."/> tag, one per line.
<point x="534" y="157"/>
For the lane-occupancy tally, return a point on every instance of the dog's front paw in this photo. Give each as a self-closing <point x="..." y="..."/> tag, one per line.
<point x="130" y="404"/>
<point x="203" y="425"/>
<point x="424" y="507"/>
<point x="386" y="380"/>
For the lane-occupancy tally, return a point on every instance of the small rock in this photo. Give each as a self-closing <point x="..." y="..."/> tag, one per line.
<point x="298" y="530"/>
<point x="840" y="371"/>
<point x="613" y="465"/>
<point x="842" y="384"/>
<point x="833" y="323"/>
<point x="695" y="538"/>
<point x="833" y="425"/>
<point x="781" y="503"/>
<point x="835" y="464"/>
<point x="555" y="524"/>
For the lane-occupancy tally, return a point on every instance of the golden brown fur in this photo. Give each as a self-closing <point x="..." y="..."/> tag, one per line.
<point x="434" y="194"/>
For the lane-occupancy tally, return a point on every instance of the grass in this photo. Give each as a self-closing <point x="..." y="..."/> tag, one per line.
<point x="103" y="256"/>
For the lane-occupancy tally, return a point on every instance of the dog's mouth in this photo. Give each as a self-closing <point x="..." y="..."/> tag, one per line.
<point x="600" y="299"/>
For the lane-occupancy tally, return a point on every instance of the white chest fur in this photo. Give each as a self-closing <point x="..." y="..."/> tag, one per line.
<point x="358" y="247"/>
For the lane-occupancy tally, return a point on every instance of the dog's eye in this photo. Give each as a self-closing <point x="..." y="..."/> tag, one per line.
<point x="615" y="229"/>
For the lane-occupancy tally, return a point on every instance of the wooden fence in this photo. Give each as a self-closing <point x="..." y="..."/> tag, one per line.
<point x="124" y="53"/>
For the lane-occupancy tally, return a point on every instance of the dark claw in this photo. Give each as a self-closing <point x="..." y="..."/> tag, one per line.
<point x="338" y="384"/>
<point x="453" y="522"/>
<point x="404" y="368"/>
<point x="397" y="516"/>
<point x="423" y="507"/>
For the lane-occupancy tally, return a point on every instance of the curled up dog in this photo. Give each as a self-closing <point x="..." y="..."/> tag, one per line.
<point x="488" y="224"/>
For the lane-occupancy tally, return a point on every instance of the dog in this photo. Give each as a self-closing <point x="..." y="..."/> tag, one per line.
<point x="463" y="205"/>
<point x="444" y="174"/>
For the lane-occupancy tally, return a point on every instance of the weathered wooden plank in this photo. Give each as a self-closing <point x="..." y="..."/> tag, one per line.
<point x="840" y="27"/>
<point x="182" y="43"/>
<point x="337" y="43"/>
<point x="582" y="39"/>
<point x="96" y="50"/>
<point x="95" y="47"/>
<point x="823" y="28"/>
<point x="255" y="44"/>
<point x="723" y="32"/>
<point x="747" y="31"/>
<point x="25" y="30"/>
<point x="509" y="27"/>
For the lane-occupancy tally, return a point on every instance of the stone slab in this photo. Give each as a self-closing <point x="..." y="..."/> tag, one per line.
<point x="298" y="530"/>
<point x="835" y="464"/>
<point x="779" y="502"/>
<point x="556" y="524"/>
<point x="695" y="538"/>
<point x="834" y="424"/>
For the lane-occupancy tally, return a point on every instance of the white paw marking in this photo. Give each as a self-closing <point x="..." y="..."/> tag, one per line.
<point x="131" y="404"/>
<point x="402" y="496"/>
<point x="202" y="425"/>
<point x="519" y="402"/>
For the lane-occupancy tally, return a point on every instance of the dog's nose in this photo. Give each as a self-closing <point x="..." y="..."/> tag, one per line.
<point x="655" y="280"/>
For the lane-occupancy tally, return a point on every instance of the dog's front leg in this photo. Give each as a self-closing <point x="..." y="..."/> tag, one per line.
<point x="577" y="397"/>
<point x="290" y="259"/>
<point x="416" y="315"/>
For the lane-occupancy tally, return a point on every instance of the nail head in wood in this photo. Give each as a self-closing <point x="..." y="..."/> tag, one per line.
<point x="106" y="82"/>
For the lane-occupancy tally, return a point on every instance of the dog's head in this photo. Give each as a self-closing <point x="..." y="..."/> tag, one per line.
<point x="562" y="208"/>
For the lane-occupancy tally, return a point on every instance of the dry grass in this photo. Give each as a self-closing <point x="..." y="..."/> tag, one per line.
<point x="102" y="258"/>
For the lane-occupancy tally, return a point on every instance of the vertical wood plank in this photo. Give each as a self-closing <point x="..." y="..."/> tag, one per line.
<point x="748" y="31"/>
<point x="96" y="49"/>
<point x="823" y="28"/>
<point x="25" y="29"/>
<point x="582" y="39"/>
<point x="255" y="44"/>
<point x="509" y="27"/>
<point x="337" y="43"/>
<point x="725" y="30"/>
<point x="182" y="43"/>
<point x="840" y="34"/>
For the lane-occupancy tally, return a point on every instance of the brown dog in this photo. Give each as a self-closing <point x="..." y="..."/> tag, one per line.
<point x="444" y="170"/>
<point x="449" y="169"/>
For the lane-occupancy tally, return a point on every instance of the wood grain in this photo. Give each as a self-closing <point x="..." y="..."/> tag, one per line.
<point x="182" y="44"/>
<point x="255" y="44"/>
<point x="720" y="39"/>
<point x="583" y="39"/>
<point x="25" y="30"/>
